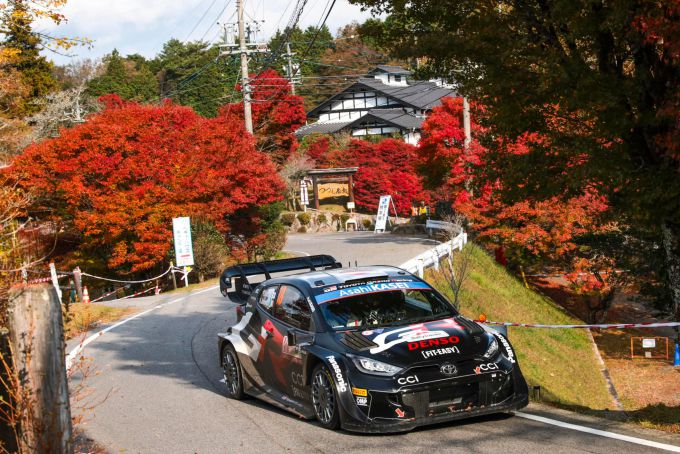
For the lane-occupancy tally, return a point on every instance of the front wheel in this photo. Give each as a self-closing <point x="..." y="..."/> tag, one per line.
<point x="325" y="398"/>
<point x="232" y="373"/>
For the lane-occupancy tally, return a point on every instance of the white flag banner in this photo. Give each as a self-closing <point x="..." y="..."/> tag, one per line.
<point x="304" y="195"/>
<point x="184" y="251"/>
<point x="383" y="213"/>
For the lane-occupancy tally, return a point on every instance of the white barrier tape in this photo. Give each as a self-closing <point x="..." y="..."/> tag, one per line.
<point x="108" y="294"/>
<point x="139" y="293"/>
<point x="126" y="282"/>
<point x="602" y="326"/>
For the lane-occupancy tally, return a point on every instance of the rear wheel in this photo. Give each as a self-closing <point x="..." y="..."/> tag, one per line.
<point x="325" y="398"/>
<point x="231" y="369"/>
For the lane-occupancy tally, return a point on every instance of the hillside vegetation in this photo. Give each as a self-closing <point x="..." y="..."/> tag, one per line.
<point x="561" y="361"/>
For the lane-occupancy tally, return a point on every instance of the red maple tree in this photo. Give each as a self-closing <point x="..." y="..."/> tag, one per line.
<point x="119" y="178"/>
<point x="385" y="168"/>
<point x="276" y="115"/>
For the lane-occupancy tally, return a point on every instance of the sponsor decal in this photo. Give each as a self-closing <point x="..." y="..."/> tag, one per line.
<point x="410" y="380"/>
<point x="400" y="413"/>
<point x="433" y="342"/>
<point x="367" y="332"/>
<point x="363" y="401"/>
<point x="359" y="391"/>
<point x="486" y="368"/>
<point x="298" y="393"/>
<point x="332" y="288"/>
<point x="370" y="288"/>
<point x="510" y="354"/>
<point x="342" y="384"/>
<point x="296" y="378"/>
<point x="440" y="351"/>
<point x="448" y="369"/>
<point x="413" y="333"/>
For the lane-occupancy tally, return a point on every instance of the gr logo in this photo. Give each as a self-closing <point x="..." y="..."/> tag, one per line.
<point x="410" y="380"/>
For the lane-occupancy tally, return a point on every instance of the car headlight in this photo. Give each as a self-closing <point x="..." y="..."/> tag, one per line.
<point x="492" y="349"/>
<point x="371" y="366"/>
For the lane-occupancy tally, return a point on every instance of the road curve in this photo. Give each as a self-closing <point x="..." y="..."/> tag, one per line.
<point x="158" y="386"/>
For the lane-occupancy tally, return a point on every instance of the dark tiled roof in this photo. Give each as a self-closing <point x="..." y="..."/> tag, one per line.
<point x="397" y="117"/>
<point x="329" y="127"/>
<point x="419" y="94"/>
<point x="390" y="69"/>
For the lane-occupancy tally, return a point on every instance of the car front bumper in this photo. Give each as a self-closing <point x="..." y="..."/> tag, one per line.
<point x="431" y="404"/>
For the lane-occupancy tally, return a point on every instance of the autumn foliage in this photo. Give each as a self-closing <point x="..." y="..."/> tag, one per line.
<point x="276" y="115"/>
<point x="530" y="230"/>
<point x="120" y="178"/>
<point x="386" y="167"/>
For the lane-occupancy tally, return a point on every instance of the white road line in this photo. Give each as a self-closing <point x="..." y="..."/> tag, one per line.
<point x="78" y="350"/>
<point x="602" y="433"/>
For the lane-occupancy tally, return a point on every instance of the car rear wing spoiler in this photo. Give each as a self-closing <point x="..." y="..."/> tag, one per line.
<point x="241" y="272"/>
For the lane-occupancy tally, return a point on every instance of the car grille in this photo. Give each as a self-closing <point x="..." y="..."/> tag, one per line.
<point x="357" y="341"/>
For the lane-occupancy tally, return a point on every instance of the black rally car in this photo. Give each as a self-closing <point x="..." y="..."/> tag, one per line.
<point x="370" y="349"/>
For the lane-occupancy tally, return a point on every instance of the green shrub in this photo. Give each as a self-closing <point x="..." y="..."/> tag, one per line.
<point x="321" y="219"/>
<point x="304" y="218"/>
<point x="367" y="223"/>
<point x="302" y="229"/>
<point x="344" y="218"/>
<point x="287" y="219"/>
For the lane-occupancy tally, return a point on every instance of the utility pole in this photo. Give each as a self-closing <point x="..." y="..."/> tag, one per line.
<point x="289" y="69"/>
<point x="243" y="49"/>
<point x="466" y="123"/>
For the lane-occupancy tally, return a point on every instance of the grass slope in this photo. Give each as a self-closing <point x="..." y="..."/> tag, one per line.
<point x="561" y="361"/>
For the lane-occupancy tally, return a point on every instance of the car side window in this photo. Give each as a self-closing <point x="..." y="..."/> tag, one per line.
<point x="292" y="308"/>
<point x="267" y="298"/>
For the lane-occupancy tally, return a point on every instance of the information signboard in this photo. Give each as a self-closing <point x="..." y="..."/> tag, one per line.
<point x="383" y="213"/>
<point x="184" y="252"/>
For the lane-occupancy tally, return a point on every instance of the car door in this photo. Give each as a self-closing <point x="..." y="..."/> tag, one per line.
<point x="292" y="313"/>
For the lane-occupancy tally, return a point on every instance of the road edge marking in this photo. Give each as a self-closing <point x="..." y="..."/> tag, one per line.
<point x="602" y="433"/>
<point x="81" y="346"/>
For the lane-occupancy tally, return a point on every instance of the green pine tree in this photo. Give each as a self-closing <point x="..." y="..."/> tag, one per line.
<point x="130" y="78"/>
<point x="34" y="69"/>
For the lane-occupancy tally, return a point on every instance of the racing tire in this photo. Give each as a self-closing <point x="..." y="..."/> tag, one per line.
<point x="231" y="369"/>
<point x="325" y="398"/>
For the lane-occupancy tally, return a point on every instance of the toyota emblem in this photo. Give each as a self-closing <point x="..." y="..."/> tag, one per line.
<point x="448" y="369"/>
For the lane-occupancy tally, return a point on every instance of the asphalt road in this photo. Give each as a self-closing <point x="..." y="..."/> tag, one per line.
<point x="157" y="386"/>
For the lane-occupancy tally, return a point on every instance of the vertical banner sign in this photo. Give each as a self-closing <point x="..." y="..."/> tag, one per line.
<point x="304" y="196"/>
<point x="184" y="252"/>
<point x="383" y="212"/>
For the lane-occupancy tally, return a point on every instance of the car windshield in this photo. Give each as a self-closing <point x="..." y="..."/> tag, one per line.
<point x="385" y="308"/>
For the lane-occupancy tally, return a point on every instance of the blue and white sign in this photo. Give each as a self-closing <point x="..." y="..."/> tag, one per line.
<point x="371" y="288"/>
<point x="184" y="251"/>
<point x="383" y="213"/>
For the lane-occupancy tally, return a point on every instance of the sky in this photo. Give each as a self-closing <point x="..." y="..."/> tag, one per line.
<point x="142" y="26"/>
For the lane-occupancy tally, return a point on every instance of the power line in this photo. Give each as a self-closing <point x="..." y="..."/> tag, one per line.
<point x="205" y="13"/>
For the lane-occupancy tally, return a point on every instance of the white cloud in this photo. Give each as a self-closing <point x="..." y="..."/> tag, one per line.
<point x="142" y="26"/>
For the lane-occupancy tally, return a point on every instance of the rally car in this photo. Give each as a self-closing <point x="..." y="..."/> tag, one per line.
<point x="369" y="349"/>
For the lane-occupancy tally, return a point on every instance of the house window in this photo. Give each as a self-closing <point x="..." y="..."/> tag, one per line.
<point x="397" y="78"/>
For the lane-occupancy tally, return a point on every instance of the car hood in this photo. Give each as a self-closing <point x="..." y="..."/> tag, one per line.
<point x="453" y="339"/>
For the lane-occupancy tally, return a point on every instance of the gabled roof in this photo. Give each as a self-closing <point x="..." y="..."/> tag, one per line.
<point x="328" y="127"/>
<point x="393" y="117"/>
<point x="390" y="70"/>
<point x="418" y="95"/>
<point x="396" y="117"/>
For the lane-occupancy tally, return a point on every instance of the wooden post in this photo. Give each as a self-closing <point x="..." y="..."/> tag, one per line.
<point x="350" y="182"/>
<point x="37" y="340"/>
<point x="172" y="273"/>
<point x="315" y="186"/>
<point x="77" y="278"/>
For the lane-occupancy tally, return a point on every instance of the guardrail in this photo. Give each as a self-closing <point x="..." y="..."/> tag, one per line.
<point x="432" y="257"/>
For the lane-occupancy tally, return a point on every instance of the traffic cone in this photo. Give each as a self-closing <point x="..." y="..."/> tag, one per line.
<point x="86" y="296"/>
<point x="676" y="360"/>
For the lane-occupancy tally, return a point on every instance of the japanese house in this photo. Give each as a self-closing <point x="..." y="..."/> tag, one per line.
<point x="385" y="102"/>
